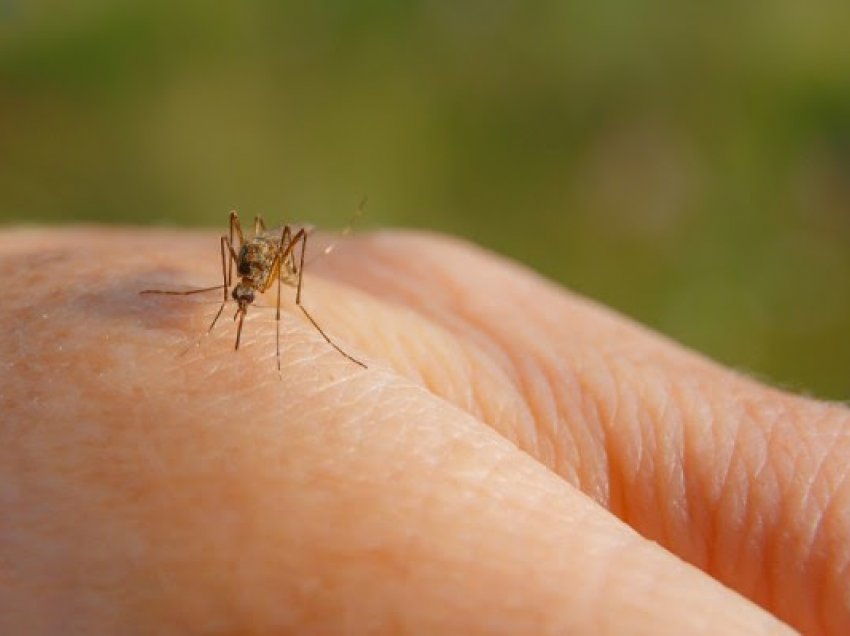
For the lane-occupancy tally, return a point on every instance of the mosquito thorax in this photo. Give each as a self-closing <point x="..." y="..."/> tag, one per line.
<point x="256" y="257"/>
<point x="243" y="264"/>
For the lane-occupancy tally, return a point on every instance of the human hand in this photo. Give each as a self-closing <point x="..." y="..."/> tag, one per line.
<point x="485" y="474"/>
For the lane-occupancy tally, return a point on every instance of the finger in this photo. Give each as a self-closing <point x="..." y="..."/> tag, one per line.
<point x="146" y="494"/>
<point x="748" y="483"/>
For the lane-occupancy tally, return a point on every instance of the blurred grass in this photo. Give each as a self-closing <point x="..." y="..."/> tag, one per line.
<point x="686" y="163"/>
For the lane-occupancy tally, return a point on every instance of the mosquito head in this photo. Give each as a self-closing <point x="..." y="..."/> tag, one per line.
<point x="243" y="295"/>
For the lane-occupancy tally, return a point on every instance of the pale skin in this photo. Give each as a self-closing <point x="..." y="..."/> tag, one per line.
<point x="515" y="459"/>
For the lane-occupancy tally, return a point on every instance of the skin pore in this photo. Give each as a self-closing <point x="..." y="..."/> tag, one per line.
<point x="516" y="459"/>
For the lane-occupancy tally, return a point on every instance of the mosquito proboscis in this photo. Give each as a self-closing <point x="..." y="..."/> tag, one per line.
<point x="267" y="257"/>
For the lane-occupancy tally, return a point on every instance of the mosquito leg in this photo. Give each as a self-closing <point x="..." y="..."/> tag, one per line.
<point x="226" y="273"/>
<point x="259" y="225"/>
<point x="277" y="265"/>
<point x="292" y="264"/>
<point x="235" y="229"/>
<point x="285" y="251"/>
<point x="327" y="338"/>
<point x="285" y="244"/>
<point x="303" y="237"/>
<point x="188" y="292"/>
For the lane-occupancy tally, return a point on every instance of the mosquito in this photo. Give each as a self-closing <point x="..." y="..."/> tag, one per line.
<point x="262" y="260"/>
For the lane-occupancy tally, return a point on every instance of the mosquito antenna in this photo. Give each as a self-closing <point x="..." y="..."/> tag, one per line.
<point x="354" y="220"/>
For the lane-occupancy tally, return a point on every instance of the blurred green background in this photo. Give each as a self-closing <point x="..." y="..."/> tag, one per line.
<point x="687" y="163"/>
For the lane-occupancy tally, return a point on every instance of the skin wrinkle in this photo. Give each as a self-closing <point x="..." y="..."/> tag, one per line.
<point x="835" y="533"/>
<point x="379" y="271"/>
<point x="543" y="407"/>
<point x="474" y="381"/>
<point x="811" y="501"/>
<point x="823" y="509"/>
<point x="672" y="486"/>
<point x="560" y="383"/>
<point x="593" y="481"/>
<point x="551" y="392"/>
<point x="756" y="483"/>
<point x="442" y="378"/>
<point x="403" y="353"/>
<point x="653" y="518"/>
<point x="689" y="365"/>
<point x="839" y="597"/>
<point x="790" y="561"/>
<point x="704" y="492"/>
<point x="693" y="509"/>
<point x="576" y="422"/>
<point x="605" y="409"/>
<point x="514" y="422"/>
<point x="492" y="342"/>
<point x="667" y="480"/>
<point x="819" y="592"/>
<point x="626" y="447"/>
<point x="472" y="385"/>
<point x="716" y="484"/>
<point x="759" y="483"/>
<point x="566" y="429"/>
<point x="304" y="345"/>
<point x="734" y="488"/>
